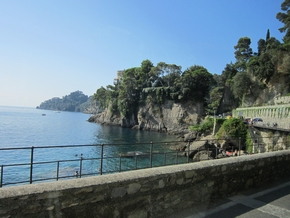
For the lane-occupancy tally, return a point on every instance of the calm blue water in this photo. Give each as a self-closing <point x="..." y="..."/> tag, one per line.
<point x="27" y="127"/>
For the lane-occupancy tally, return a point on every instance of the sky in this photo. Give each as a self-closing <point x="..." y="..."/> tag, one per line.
<point x="51" y="48"/>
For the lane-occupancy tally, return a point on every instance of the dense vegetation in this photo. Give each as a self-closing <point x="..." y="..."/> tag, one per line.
<point x="75" y="101"/>
<point x="153" y="85"/>
<point x="248" y="76"/>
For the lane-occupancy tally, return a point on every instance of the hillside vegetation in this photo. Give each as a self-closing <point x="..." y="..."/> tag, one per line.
<point x="255" y="78"/>
<point x="75" y="101"/>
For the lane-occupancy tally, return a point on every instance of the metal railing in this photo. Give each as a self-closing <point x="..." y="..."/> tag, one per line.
<point x="33" y="169"/>
<point x="147" y="156"/>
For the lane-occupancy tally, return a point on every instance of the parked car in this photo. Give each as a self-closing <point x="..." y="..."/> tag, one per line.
<point x="257" y="120"/>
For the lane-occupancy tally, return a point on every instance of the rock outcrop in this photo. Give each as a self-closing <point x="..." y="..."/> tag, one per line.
<point x="203" y="149"/>
<point x="170" y="117"/>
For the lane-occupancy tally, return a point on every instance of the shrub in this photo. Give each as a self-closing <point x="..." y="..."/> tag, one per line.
<point x="206" y="126"/>
<point x="249" y="143"/>
<point x="234" y="128"/>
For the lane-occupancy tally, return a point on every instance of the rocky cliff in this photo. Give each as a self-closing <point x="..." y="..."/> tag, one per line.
<point x="170" y="117"/>
<point x="266" y="93"/>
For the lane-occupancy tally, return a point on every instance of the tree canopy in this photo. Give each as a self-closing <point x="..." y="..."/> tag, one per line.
<point x="284" y="17"/>
<point x="71" y="102"/>
<point x="153" y="84"/>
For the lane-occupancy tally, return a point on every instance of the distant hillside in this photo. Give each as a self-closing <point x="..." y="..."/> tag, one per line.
<point x="75" y="101"/>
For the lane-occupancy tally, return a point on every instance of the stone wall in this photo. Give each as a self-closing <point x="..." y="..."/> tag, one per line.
<point x="154" y="192"/>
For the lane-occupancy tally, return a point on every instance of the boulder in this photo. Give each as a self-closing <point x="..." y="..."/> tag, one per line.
<point x="204" y="144"/>
<point x="179" y="146"/>
<point x="191" y="136"/>
<point x="203" y="155"/>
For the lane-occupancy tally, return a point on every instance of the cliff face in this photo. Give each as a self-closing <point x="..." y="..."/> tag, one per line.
<point x="259" y="94"/>
<point x="277" y="86"/>
<point x="170" y="117"/>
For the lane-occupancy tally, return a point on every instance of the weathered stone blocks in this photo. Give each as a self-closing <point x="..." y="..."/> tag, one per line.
<point x="152" y="192"/>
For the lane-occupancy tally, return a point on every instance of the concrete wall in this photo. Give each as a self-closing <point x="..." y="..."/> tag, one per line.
<point x="144" y="193"/>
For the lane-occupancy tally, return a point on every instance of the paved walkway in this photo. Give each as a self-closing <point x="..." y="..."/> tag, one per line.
<point x="266" y="202"/>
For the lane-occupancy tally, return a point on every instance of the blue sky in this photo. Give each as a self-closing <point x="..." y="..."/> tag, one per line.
<point x="51" y="48"/>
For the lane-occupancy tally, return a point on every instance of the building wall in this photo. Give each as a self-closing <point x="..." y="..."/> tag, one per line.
<point x="152" y="192"/>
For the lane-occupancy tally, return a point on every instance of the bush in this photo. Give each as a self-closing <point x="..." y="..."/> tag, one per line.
<point x="249" y="143"/>
<point x="234" y="128"/>
<point x="206" y="126"/>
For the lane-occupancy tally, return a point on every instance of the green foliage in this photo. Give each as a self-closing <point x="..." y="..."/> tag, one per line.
<point x="156" y="95"/>
<point x="248" y="76"/>
<point x="285" y="67"/>
<point x="101" y="97"/>
<point x="249" y="143"/>
<point x="71" y="102"/>
<point x="228" y="73"/>
<point x="195" y="83"/>
<point x="167" y="73"/>
<point x="195" y="127"/>
<point x="232" y="127"/>
<point x="146" y="73"/>
<point x="243" y="53"/>
<point x="129" y="91"/>
<point x="206" y="126"/>
<point x="241" y="84"/>
<point x="284" y="17"/>
<point x="261" y="46"/>
<point x="216" y="96"/>
<point x="262" y="66"/>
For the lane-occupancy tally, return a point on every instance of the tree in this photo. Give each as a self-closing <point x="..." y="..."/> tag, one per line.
<point x="268" y="35"/>
<point x="69" y="102"/>
<point x="195" y="83"/>
<point x="216" y="96"/>
<point x="228" y="73"/>
<point x="146" y="73"/>
<point x="101" y="96"/>
<point x="285" y="67"/>
<point x="129" y="91"/>
<point x="272" y="44"/>
<point x="262" y="66"/>
<point x="267" y="68"/>
<point x="284" y="17"/>
<point x="243" y="53"/>
<point x="218" y="79"/>
<point x="261" y="46"/>
<point x="166" y="74"/>
<point x="241" y="84"/>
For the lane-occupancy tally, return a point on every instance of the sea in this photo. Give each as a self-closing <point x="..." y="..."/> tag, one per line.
<point x="43" y="145"/>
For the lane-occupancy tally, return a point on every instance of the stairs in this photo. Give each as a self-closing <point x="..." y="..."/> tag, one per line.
<point x="258" y="144"/>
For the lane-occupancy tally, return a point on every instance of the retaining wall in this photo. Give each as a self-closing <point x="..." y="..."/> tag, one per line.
<point x="270" y="114"/>
<point x="152" y="192"/>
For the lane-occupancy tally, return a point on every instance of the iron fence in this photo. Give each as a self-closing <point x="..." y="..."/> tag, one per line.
<point x="106" y="159"/>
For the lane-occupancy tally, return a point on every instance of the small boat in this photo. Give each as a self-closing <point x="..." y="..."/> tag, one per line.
<point x="43" y="114"/>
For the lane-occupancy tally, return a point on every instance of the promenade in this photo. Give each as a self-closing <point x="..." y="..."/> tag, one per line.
<point x="268" y="201"/>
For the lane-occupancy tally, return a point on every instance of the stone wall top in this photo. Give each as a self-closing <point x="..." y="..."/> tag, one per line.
<point x="17" y="191"/>
<point x="264" y="107"/>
